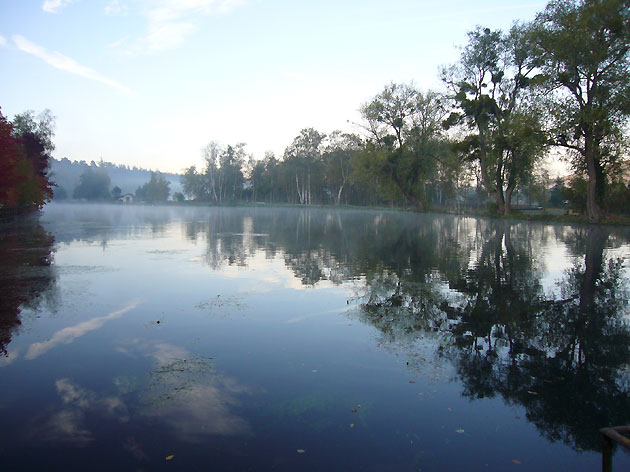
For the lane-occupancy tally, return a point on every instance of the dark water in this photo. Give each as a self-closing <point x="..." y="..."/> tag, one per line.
<point x="260" y="339"/>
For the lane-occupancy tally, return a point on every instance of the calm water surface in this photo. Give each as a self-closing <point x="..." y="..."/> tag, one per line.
<point x="195" y="339"/>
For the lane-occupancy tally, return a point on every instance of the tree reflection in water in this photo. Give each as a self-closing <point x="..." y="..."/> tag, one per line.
<point x="563" y="358"/>
<point x="479" y="285"/>
<point x="27" y="277"/>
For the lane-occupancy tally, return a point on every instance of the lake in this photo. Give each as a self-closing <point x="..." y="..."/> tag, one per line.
<point x="190" y="338"/>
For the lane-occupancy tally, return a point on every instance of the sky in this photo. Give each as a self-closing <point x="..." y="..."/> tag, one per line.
<point x="148" y="83"/>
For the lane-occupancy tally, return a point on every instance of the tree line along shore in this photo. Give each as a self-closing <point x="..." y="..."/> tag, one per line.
<point x="559" y="84"/>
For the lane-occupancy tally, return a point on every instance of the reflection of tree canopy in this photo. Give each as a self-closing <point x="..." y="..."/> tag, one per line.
<point x="329" y="245"/>
<point x="562" y="357"/>
<point x="26" y="275"/>
<point x="477" y="285"/>
<point x="103" y="223"/>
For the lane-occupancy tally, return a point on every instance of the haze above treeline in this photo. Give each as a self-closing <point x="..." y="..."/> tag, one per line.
<point x="559" y="84"/>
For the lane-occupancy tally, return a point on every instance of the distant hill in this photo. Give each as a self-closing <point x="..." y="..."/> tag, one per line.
<point x="66" y="173"/>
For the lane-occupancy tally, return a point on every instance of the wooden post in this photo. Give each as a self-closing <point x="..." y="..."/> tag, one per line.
<point x="606" y="453"/>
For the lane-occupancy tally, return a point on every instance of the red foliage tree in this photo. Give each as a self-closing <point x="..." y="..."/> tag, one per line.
<point x="9" y="157"/>
<point x="24" y="161"/>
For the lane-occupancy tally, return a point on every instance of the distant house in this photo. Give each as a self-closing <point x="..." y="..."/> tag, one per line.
<point x="126" y="198"/>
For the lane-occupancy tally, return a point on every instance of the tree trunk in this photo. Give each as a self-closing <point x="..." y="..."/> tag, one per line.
<point x="508" y="199"/>
<point x="417" y="203"/>
<point x="339" y="195"/>
<point x="297" y="186"/>
<point x="500" y="201"/>
<point x="592" y="208"/>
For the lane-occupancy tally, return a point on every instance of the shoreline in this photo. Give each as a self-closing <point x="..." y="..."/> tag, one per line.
<point x="549" y="215"/>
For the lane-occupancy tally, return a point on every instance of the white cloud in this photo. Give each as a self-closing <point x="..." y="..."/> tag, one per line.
<point x="65" y="63"/>
<point x="116" y="8"/>
<point x="171" y="21"/>
<point x="3" y="41"/>
<point x="69" y="334"/>
<point x="53" y="6"/>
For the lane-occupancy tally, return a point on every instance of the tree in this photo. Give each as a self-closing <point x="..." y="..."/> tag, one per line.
<point x="338" y="152"/>
<point x="157" y="189"/>
<point x="93" y="184"/>
<point x="212" y="179"/>
<point x="269" y="187"/>
<point x="25" y="147"/>
<point x="405" y="141"/>
<point x="193" y="184"/>
<point x="230" y="171"/>
<point x="558" y="194"/>
<point x="583" y="50"/>
<point x="9" y="158"/>
<point x="304" y="160"/>
<point x="116" y="192"/>
<point x="60" y="194"/>
<point x="491" y="88"/>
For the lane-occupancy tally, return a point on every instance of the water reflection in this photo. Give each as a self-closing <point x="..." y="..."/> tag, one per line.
<point x="70" y="423"/>
<point x="564" y="359"/>
<point x="69" y="334"/>
<point x="561" y="352"/>
<point x="27" y="277"/>
<point x="185" y="392"/>
<point x="532" y="315"/>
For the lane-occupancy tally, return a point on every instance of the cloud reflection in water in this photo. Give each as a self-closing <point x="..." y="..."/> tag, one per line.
<point x="69" y="334"/>
<point x="190" y="397"/>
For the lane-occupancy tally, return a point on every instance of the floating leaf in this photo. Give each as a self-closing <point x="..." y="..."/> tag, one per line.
<point x="412" y="381"/>
<point x="352" y="425"/>
<point x="516" y="461"/>
<point x="354" y="410"/>
<point x="301" y="451"/>
<point x="517" y="417"/>
<point x="601" y="380"/>
<point x="169" y="458"/>
<point x="460" y="431"/>
<point x="532" y="393"/>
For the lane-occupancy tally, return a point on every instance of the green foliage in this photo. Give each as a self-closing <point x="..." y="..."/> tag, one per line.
<point x="406" y="142"/>
<point x="491" y="88"/>
<point x="617" y="198"/>
<point x="42" y="126"/>
<point x="155" y="190"/>
<point x="338" y="152"/>
<point x="576" y="193"/>
<point x="93" y="185"/>
<point x="222" y="179"/>
<point x="303" y="159"/>
<point x="116" y="192"/>
<point x="25" y="147"/>
<point x="192" y="185"/>
<point x="582" y="48"/>
<point x="558" y="194"/>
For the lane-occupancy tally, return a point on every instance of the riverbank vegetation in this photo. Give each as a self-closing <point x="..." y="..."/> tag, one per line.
<point x="558" y="85"/>
<point x="25" y="147"/>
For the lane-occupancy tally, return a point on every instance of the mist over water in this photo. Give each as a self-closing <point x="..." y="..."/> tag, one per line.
<point x="307" y="339"/>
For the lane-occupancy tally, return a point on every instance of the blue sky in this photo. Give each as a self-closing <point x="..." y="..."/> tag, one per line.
<point x="150" y="82"/>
